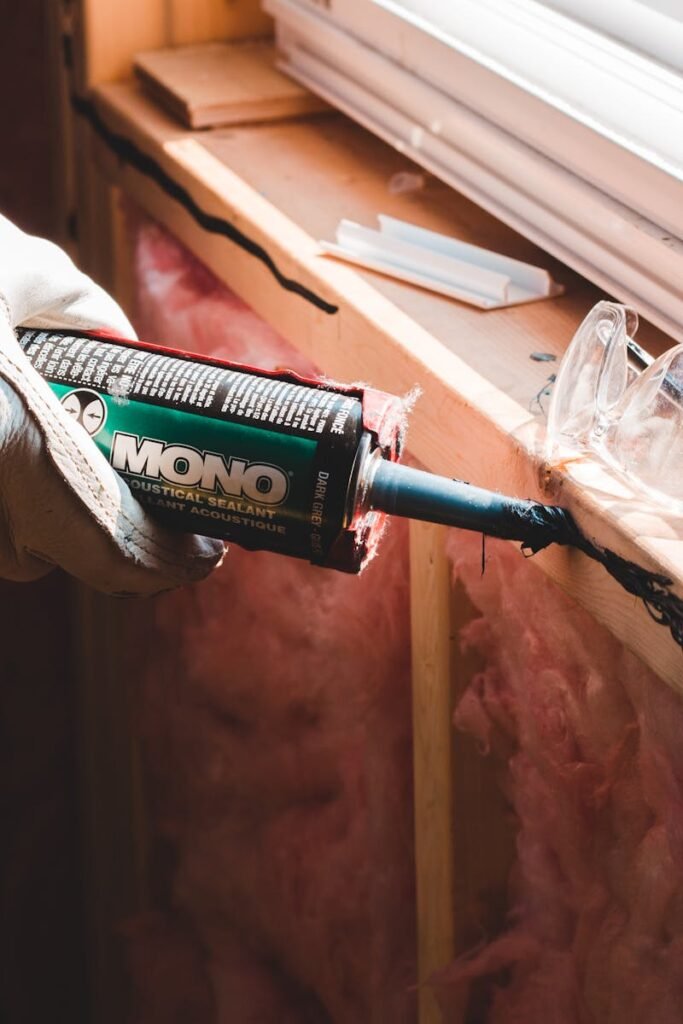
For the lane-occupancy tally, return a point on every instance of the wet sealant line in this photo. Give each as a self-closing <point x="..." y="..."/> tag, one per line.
<point x="129" y="153"/>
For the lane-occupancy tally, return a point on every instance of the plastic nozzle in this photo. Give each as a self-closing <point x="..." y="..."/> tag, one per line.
<point x="415" y="494"/>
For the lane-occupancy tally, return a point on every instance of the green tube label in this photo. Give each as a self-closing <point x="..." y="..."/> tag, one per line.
<point x="207" y="447"/>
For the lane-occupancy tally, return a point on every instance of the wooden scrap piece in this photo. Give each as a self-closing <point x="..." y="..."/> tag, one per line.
<point x="218" y="84"/>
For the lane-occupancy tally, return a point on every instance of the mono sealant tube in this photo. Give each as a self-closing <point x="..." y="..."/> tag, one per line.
<point x="266" y="460"/>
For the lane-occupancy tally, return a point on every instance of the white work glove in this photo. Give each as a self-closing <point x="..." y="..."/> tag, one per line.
<point x="60" y="501"/>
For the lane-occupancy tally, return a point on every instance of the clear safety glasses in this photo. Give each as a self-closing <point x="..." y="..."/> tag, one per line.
<point x="631" y="419"/>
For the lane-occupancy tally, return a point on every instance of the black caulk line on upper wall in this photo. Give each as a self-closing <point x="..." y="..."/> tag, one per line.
<point x="129" y="153"/>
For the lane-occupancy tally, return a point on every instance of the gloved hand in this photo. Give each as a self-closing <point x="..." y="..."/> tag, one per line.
<point x="60" y="501"/>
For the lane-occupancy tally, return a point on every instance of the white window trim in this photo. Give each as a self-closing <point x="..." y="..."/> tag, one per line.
<point x="596" y="80"/>
<point x="607" y="238"/>
<point x="653" y="27"/>
<point x="535" y="73"/>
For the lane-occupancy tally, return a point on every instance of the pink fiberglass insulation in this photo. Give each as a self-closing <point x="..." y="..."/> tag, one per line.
<point x="275" y="716"/>
<point x="274" y="711"/>
<point x="595" y="777"/>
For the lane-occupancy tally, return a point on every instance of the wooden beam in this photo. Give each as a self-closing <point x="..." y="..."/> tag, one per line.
<point x="432" y="758"/>
<point x="287" y="185"/>
<point x="113" y="843"/>
<point x="113" y="814"/>
<point x="203" y="20"/>
<point x="464" y="831"/>
<point x="109" y="34"/>
<point x="62" y="148"/>
<point x="121" y="265"/>
<point x="485" y="828"/>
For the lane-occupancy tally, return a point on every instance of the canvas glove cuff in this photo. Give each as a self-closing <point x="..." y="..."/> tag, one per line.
<point x="61" y="503"/>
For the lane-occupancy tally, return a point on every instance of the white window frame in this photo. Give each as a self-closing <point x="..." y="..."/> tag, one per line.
<point x="602" y="188"/>
<point x="653" y="27"/>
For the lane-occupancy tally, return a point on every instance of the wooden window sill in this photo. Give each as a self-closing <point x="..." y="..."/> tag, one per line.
<point x="286" y="185"/>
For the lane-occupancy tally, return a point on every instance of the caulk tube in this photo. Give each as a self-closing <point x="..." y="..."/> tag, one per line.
<point x="269" y="461"/>
<point x="264" y="459"/>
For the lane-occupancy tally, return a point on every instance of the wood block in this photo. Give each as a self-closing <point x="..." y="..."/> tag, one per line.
<point x="223" y="83"/>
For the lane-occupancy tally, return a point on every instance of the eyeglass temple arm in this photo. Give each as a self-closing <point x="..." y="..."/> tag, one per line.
<point x="640" y="354"/>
